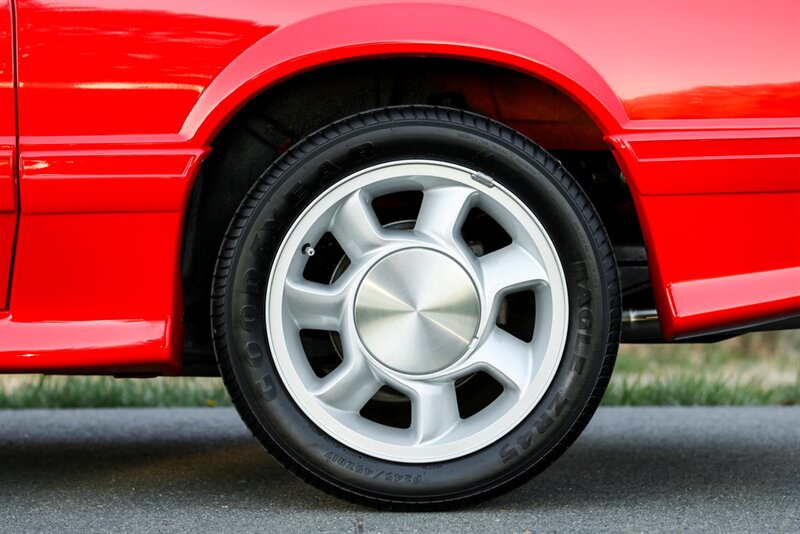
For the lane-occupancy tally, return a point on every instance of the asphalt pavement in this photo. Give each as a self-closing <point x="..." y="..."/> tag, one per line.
<point x="179" y="470"/>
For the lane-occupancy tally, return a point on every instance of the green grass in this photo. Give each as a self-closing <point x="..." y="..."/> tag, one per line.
<point x="106" y="392"/>
<point x="757" y="369"/>
<point x="697" y="390"/>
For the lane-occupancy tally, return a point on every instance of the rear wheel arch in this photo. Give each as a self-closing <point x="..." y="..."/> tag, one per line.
<point x="286" y="112"/>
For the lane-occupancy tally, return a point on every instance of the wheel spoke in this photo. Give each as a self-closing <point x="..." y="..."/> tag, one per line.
<point x="509" y="268"/>
<point x="443" y="211"/>
<point x="505" y="357"/>
<point x="434" y="410"/>
<point x="350" y="386"/>
<point x="355" y="226"/>
<point x="315" y="306"/>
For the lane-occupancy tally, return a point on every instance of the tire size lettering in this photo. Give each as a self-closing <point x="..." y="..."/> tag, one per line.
<point x="585" y="317"/>
<point x="363" y="153"/>
<point x="255" y="356"/>
<point x="250" y="318"/>
<point x="254" y="282"/>
<point x="580" y="363"/>
<point x="327" y="168"/>
<point x="348" y="464"/>
<point x="266" y="387"/>
<point x="404" y="478"/>
<point x="297" y="194"/>
<point x="510" y="451"/>
<point x="261" y="240"/>
<point x="361" y="469"/>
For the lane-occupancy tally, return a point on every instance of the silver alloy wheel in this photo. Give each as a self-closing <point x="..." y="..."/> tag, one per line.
<point x="416" y="310"/>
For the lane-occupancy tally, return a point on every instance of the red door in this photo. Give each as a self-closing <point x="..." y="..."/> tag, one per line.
<point x="8" y="142"/>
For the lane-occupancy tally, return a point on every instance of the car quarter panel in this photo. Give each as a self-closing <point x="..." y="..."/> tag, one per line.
<point x="119" y="101"/>
<point x="8" y="144"/>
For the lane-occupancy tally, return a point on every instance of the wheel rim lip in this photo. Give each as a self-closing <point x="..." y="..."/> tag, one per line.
<point x="341" y="428"/>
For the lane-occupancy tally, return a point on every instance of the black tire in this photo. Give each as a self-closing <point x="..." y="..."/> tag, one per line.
<point x="311" y="167"/>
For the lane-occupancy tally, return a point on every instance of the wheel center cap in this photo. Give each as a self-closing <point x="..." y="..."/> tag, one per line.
<point x="417" y="311"/>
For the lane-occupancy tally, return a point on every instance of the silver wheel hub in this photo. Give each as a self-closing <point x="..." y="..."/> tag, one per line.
<point x="417" y="311"/>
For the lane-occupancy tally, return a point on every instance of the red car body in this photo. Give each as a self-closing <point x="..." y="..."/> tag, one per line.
<point x="109" y="107"/>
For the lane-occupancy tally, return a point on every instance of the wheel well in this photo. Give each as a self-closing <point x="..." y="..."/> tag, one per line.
<point x="282" y="115"/>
